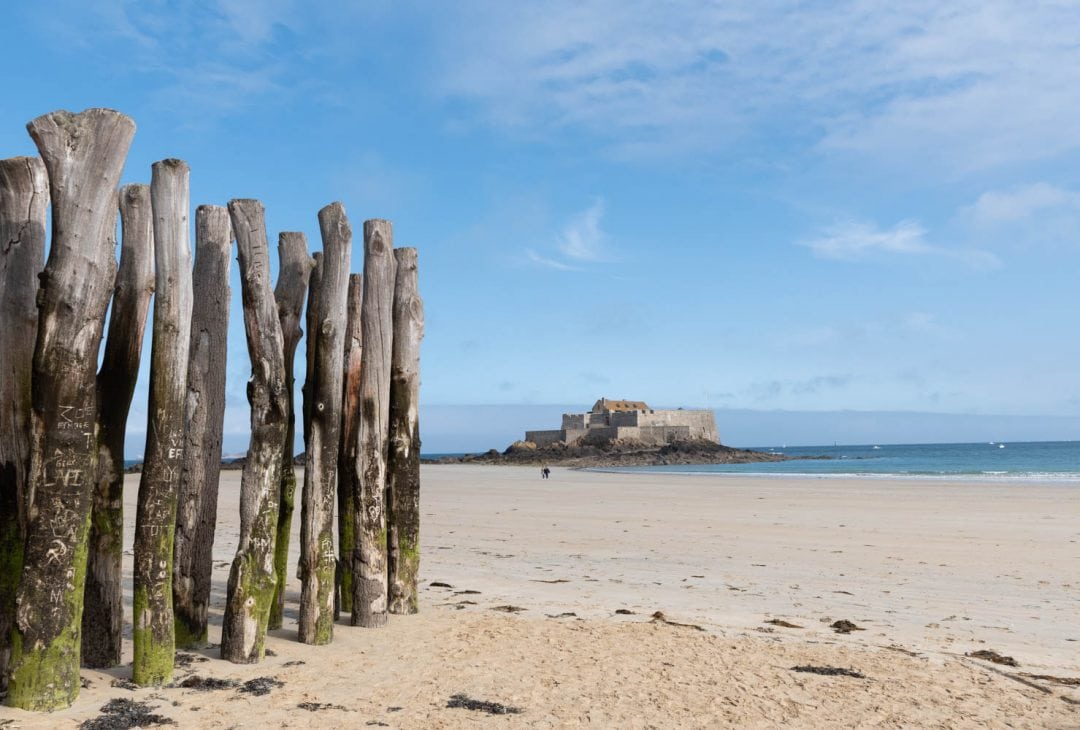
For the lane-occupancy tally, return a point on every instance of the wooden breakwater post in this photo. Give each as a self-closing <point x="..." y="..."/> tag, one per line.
<point x="196" y="513"/>
<point x="24" y="199"/>
<point x="376" y="324"/>
<point x="84" y="156"/>
<point x="252" y="579"/>
<point x="350" y="431"/>
<point x="403" y="460"/>
<point x="294" y="272"/>
<point x="318" y="559"/>
<point x="163" y="459"/>
<point x="103" y="610"/>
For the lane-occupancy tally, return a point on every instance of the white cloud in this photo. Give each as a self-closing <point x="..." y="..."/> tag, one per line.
<point x="971" y="83"/>
<point x="581" y="242"/>
<point x="1020" y="203"/>
<point x="582" y="239"/>
<point x="854" y="240"/>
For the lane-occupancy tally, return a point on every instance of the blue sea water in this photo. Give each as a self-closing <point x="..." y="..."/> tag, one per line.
<point x="1056" y="461"/>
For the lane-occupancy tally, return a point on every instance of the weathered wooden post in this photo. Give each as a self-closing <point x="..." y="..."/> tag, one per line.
<point x="314" y="285"/>
<point x="309" y="355"/>
<point x="103" y="611"/>
<point x="320" y="467"/>
<point x="196" y="513"/>
<point x="24" y="199"/>
<point x="403" y="467"/>
<point x="155" y="516"/>
<point x="350" y="431"/>
<point x="84" y="155"/>
<point x="376" y="323"/>
<point x="252" y="579"/>
<point x="294" y="270"/>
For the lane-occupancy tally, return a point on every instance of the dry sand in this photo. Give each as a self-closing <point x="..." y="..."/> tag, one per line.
<point x="931" y="570"/>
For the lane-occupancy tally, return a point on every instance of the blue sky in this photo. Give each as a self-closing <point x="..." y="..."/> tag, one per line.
<point x="758" y="206"/>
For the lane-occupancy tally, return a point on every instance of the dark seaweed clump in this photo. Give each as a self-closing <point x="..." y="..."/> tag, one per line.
<point x="124" y="714"/>
<point x="830" y="671"/>
<point x="260" y="686"/>
<point x="492" y="708"/>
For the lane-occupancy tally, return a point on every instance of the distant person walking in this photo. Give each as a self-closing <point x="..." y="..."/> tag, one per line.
<point x="545" y="473"/>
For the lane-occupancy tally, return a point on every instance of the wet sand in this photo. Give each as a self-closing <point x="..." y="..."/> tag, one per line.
<point x="548" y="589"/>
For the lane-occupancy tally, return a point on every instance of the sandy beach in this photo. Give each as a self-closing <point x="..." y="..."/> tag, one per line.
<point x="540" y="596"/>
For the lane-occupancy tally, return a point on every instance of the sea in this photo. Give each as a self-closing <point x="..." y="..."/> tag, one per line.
<point x="1035" y="461"/>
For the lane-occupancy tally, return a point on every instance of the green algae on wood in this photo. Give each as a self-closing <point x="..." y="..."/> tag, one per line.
<point x="324" y="391"/>
<point x="293" y="276"/>
<point x="403" y="460"/>
<point x="84" y="156"/>
<point x="159" y="485"/>
<point x="252" y="579"/>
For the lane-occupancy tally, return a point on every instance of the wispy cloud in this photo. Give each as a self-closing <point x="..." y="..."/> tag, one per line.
<point x="1020" y="203"/>
<point x="546" y="262"/>
<point x="582" y="241"/>
<point x="855" y="240"/>
<point x="974" y="83"/>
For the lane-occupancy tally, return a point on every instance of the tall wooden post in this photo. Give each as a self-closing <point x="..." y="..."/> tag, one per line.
<point x="403" y="469"/>
<point x="24" y="198"/>
<point x="376" y="323"/>
<point x="294" y="270"/>
<point x="314" y="286"/>
<point x="252" y="579"/>
<point x="103" y="612"/>
<point x="312" y="324"/>
<point x="84" y="155"/>
<point x="155" y="516"/>
<point x="196" y="514"/>
<point x="350" y="432"/>
<point x="320" y="469"/>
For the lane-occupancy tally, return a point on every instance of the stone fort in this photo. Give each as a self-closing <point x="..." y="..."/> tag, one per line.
<point x="611" y="420"/>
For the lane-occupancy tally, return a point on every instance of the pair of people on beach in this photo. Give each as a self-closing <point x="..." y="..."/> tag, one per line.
<point x="545" y="473"/>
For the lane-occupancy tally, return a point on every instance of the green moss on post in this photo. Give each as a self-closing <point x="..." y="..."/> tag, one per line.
<point x="46" y="678"/>
<point x="281" y="544"/>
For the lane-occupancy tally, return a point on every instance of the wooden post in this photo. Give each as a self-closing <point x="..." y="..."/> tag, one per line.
<point x="312" y="325"/>
<point x="376" y="324"/>
<point x="84" y="155"/>
<point x="403" y="464"/>
<point x="294" y="270"/>
<point x="252" y="579"/>
<point x="103" y="611"/>
<point x="163" y="459"/>
<point x="350" y="432"/>
<point x="196" y="514"/>
<point x="309" y="384"/>
<point x="24" y="198"/>
<point x="320" y="468"/>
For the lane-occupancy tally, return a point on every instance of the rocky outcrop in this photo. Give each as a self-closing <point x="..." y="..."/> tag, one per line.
<point x="613" y="453"/>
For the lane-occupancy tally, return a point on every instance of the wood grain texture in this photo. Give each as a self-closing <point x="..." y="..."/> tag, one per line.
<point x="252" y="579"/>
<point x="84" y="155"/>
<point x="317" y="554"/>
<point x="376" y="323"/>
<point x="196" y="514"/>
<point x="163" y="459"/>
<point x="350" y="431"/>
<point x="103" y="614"/>
<point x="24" y="199"/>
<point x="403" y="467"/>
<point x="294" y="272"/>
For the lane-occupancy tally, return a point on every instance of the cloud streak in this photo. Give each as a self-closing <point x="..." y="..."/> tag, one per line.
<point x="855" y="241"/>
